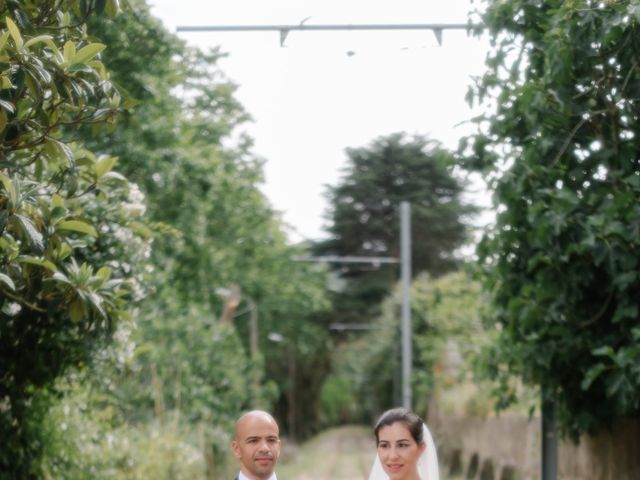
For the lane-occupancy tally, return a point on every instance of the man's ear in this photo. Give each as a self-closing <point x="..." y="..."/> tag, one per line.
<point x="236" y="449"/>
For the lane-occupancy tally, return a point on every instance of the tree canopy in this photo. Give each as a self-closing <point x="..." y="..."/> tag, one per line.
<point x="561" y="151"/>
<point x="185" y="144"/>
<point x="364" y="216"/>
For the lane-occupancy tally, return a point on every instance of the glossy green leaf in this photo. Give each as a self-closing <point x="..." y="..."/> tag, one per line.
<point x="77" y="310"/>
<point x="114" y="176"/>
<point x="6" y="280"/>
<point x="41" y="262"/>
<point x="61" y="277"/>
<point x="60" y="150"/>
<point x="112" y="7"/>
<point x="69" y="51"/>
<point x="7" y="106"/>
<point x="104" y="273"/>
<point x="3" y="39"/>
<point x="10" y="189"/>
<point x="57" y="201"/>
<point x="77" y="226"/>
<point x="38" y="39"/>
<point x="87" y="53"/>
<point x="15" y="33"/>
<point x="31" y="232"/>
<point x="104" y="165"/>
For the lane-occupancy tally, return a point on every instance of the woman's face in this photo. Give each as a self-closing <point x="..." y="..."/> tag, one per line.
<point x="398" y="451"/>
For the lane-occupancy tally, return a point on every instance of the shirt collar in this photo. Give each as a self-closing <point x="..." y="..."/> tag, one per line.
<point x="242" y="476"/>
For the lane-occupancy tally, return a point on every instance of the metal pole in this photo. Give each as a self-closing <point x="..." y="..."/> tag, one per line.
<point x="253" y="329"/>
<point x="254" y="349"/>
<point x="291" y="392"/>
<point x="549" y="440"/>
<point x="405" y="255"/>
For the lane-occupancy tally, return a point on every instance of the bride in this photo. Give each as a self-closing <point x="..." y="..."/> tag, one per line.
<point x="405" y="448"/>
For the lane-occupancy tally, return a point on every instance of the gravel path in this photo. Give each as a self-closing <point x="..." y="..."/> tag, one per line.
<point x="343" y="453"/>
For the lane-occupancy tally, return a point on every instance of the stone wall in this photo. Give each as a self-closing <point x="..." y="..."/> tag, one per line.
<point x="508" y="448"/>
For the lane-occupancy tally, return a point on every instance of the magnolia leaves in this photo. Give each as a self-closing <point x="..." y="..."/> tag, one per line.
<point x="43" y="236"/>
<point x="46" y="84"/>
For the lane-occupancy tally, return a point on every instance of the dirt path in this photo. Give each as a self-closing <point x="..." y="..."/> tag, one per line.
<point x="343" y="453"/>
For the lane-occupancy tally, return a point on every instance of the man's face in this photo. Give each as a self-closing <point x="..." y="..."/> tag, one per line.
<point x="257" y="445"/>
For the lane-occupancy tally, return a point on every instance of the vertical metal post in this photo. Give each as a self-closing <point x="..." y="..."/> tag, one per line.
<point x="254" y="350"/>
<point x="549" y="440"/>
<point x="253" y="329"/>
<point x="405" y="259"/>
<point x="291" y="392"/>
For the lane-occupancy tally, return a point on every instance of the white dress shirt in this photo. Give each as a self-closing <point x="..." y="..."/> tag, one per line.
<point x="242" y="476"/>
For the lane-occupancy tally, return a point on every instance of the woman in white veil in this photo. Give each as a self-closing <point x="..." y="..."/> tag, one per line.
<point x="418" y="455"/>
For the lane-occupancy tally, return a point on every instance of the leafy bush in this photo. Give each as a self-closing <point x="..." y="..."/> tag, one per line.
<point x="337" y="401"/>
<point x="445" y="319"/>
<point x="560" y="148"/>
<point x="69" y="238"/>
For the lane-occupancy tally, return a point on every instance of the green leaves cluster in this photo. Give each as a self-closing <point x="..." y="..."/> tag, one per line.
<point x="561" y="152"/>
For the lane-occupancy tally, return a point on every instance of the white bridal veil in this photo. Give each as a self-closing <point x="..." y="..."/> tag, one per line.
<point x="427" y="463"/>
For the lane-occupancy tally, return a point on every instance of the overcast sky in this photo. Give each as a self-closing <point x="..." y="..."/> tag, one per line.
<point x="325" y="91"/>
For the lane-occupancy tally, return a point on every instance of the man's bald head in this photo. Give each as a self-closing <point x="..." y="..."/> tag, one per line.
<point x="256" y="444"/>
<point x="254" y="417"/>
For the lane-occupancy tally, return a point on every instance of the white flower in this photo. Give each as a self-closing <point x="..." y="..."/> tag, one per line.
<point x="135" y="201"/>
<point x="13" y="309"/>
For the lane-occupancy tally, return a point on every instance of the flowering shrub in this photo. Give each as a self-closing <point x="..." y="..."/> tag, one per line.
<point x="71" y="241"/>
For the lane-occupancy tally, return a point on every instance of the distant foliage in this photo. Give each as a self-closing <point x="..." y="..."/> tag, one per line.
<point x="95" y="380"/>
<point x="446" y="322"/>
<point x="561" y="151"/>
<point x="212" y="228"/>
<point x="364" y="217"/>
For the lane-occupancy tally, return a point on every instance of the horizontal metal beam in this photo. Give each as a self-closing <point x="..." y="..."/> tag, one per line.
<point x="347" y="259"/>
<point x="302" y="27"/>
<point x="351" y="326"/>
<point x="284" y="30"/>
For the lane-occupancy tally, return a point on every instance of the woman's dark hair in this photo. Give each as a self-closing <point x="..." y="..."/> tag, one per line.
<point x="412" y="421"/>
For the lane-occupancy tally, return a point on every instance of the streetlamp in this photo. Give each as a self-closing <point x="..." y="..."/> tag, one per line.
<point x="233" y="298"/>
<point x="291" y="370"/>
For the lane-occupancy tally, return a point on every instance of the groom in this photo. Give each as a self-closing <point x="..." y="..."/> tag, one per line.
<point x="256" y="445"/>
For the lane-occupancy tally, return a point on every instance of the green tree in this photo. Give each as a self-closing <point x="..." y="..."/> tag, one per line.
<point x="365" y="220"/>
<point x="445" y="319"/>
<point x="214" y="228"/>
<point x="69" y="241"/>
<point x="561" y="151"/>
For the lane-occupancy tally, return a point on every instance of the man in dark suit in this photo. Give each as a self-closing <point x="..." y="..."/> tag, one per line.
<point x="256" y="445"/>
